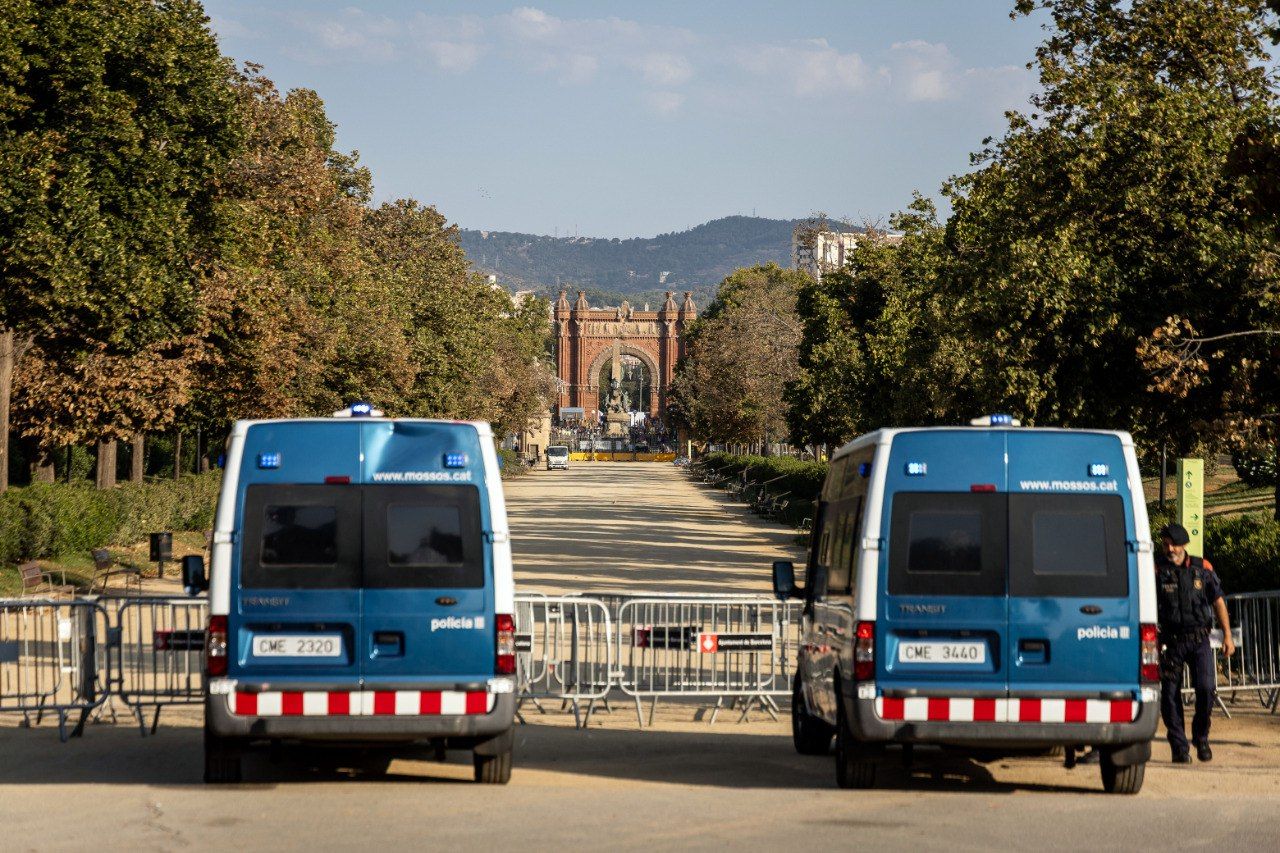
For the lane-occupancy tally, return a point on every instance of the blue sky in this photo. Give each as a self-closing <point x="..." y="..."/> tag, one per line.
<point x="632" y="119"/>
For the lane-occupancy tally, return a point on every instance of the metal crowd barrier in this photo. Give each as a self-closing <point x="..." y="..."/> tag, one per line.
<point x="1255" y="667"/>
<point x="564" y="651"/>
<point x="49" y="659"/>
<point x="737" y="648"/>
<point x="155" y="650"/>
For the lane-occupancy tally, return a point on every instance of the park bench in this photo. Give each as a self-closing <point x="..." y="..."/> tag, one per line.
<point x="38" y="582"/>
<point x="107" y="566"/>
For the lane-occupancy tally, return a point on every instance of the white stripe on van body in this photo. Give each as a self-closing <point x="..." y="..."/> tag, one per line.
<point x="224" y="524"/>
<point x="1142" y="532"/>
<point x="504" y="584"/>
<point x="869" y="558"/>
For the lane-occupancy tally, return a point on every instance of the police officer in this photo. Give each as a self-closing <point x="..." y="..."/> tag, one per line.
<point x="1188" y="596"/>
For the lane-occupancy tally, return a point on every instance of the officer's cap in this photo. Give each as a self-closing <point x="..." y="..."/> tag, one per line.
<point x="1175" y="533"/>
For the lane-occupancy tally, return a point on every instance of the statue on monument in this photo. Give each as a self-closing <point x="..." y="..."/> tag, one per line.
<point x="617" y="419"/>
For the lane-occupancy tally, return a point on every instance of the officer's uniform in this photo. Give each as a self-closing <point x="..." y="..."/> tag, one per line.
<point x="1185" y="595"/>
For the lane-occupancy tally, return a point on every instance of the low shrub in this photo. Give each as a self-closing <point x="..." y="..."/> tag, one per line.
<point x="1245" y="551"/>
<point x="49" y="519"/>
<point x="800" y="481"/>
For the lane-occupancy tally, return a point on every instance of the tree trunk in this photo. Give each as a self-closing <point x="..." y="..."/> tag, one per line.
<point x="136" y="458"/>
<point x="42" y="468"/>
<point x="177" y="455"/>
<point x="1276" y="493"/>
<point x="106" y="478"/>
<point x="12" y="349"/>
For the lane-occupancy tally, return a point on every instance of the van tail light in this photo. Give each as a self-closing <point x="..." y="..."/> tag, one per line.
<point x="215" y="650"/>
<point x="506" y="644"/>
<point x="1150" y="654"/>
<point x="864" y="651"/>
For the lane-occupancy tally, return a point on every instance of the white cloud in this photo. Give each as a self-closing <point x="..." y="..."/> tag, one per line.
<point x="533" y="24"/>
<point x="664" y="104"/>
<point x="812" y="67"/>
<point x="454" y="56"/>
<point x="924" y="71"/>
<point x="573" y="69"/>
<point x="664" y="69"/>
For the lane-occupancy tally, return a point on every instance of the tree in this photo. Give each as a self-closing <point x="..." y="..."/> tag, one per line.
<point x="740" y="355"/>
<point x="1111" y="207"/>
<point x="115" y="124"/>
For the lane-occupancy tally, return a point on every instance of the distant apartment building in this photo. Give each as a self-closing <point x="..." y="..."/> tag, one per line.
<point x="817" y="252"/>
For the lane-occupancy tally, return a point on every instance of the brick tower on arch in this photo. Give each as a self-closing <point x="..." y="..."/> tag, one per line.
<point x="584" y="343"/>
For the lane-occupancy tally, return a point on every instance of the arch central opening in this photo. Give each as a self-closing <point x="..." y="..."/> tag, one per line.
<point x="631" y="394"/>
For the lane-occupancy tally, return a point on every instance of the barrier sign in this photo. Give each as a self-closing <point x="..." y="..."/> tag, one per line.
<point x="710" y="644"/>
<point x="178" y="641"/>
<point x="524" y="643"/>
<point x="665" y="636"/>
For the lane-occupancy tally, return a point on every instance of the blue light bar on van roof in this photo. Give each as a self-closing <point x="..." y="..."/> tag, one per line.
<point x="1097" y="469"/>
<point x="359" y="410"/>
<point x="269" y="460"/>
<point x="455" y="460"/>
<point x="995" y="420"/>
<point x="916" y="469"/>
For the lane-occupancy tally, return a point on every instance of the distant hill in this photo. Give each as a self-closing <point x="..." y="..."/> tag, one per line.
<point x="640" y="268"/>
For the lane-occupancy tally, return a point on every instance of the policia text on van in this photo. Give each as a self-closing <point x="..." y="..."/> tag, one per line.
<point x="360" y="590"/>
<point x="988" y="586"/>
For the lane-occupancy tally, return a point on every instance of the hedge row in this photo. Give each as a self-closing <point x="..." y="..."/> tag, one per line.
<point x="800" y="481"/>
<point x="49" y="519"/>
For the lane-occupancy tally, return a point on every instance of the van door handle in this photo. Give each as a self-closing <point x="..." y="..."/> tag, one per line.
<point x="1091" y="609"/>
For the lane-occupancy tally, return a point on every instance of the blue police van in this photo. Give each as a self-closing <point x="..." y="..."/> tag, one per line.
<point x="989" y="587"/>
<point x="360" y="590"/>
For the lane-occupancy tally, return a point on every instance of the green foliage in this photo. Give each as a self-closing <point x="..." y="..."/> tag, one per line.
<point x="48" y="520"/>
<point x="1245" y="552"/>
<point x="1119" y="204"/>
<point x="739" y="356"/>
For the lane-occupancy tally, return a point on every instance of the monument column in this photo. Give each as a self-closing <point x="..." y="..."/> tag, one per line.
<point x="564" y="354"/>
<point x="668" y="352"/>
<point x="578" y="368"/>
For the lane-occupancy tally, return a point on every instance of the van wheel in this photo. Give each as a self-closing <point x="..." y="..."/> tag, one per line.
<point x="493" y="769"/>
<point x="221" y="760"/>
<point x="855" y="768"/>
<point x="811" y="736"/>
<point x="1122" y="780"/>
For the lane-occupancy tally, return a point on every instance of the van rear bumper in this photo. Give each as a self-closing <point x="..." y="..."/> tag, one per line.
<point x="869" y="727"/>
<point x="220" y="721"/>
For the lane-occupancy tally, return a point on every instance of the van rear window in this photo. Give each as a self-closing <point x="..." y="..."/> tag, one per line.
<point x="1067" y="545"/>
<point x="423" y="537"/>
<point x="300" y="537"/>
<point x="947" y="544"/>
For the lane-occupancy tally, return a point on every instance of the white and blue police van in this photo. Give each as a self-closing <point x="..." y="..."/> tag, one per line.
<point x="987" y="587"/>
<point x="360" y="590"/>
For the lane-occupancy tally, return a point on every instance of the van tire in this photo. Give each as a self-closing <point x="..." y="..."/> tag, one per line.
<point x="221" y="760"/>
<point x="811" y="735"/>
<point x="1122" y="780"/>
<point x="855" y="766"/>
<point x="493" y="769"/>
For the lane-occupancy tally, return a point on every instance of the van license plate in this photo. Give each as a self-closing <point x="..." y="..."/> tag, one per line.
<point x="298" y="646"/>
<point x="939" y="652"/>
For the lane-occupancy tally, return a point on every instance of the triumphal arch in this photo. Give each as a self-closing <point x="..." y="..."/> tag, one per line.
<point x="647" y="343"/>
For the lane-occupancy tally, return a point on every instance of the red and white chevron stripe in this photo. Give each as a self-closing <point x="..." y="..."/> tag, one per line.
<point x="361" y="703"/>
<point x="941" y="709"/>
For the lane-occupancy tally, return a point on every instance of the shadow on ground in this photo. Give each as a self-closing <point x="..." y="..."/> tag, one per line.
<point x="718" y="757"/>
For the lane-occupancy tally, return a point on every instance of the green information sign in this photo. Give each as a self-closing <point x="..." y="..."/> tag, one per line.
<point x="1191" y="502"/>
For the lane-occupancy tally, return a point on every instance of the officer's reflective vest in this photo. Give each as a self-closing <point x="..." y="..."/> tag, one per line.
<point x="1182" y="595"/>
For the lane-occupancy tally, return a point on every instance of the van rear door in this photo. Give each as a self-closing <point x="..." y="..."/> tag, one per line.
<point x="943" y="613"/>
<point x="1073" y="626"/>
<point x="426" y="603"/>
<point x="298" y="612"/>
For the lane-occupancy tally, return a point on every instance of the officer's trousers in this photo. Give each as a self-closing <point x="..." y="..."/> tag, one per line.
<point x="1195" y="653"/>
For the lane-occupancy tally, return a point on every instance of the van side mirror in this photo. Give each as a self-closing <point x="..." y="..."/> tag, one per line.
<point x="784" y="580"/>
<point x="193" y="577"/>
